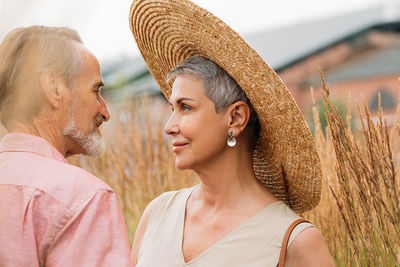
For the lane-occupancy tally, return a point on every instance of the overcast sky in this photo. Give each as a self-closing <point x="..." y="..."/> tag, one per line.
<point x="104" y="28"/>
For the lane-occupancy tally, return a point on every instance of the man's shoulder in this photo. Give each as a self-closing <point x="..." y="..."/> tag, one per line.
<point x="65" y="183"/>
<point x="73" y="185"/>
<point x="74" y="174"/>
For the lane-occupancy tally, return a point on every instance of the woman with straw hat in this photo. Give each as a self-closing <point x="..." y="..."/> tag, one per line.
<point x="236" y="125"/>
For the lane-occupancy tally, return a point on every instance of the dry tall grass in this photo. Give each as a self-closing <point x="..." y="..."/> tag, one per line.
<point x="360" y="178"/>
<point x="138" y="163"/>
<point x="359" y="213"/>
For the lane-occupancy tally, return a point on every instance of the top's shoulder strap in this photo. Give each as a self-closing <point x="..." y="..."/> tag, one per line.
<point x="282" y="255"/>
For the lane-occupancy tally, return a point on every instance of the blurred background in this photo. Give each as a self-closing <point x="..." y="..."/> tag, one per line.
<point x="355" y="42"/>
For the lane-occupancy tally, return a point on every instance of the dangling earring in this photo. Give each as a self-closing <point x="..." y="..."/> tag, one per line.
<point x="231" y="140"/>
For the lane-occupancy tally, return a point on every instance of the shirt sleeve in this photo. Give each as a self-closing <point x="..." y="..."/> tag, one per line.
<point x="94" y="235"/>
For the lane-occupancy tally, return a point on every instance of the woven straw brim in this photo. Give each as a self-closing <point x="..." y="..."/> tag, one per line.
<point x="285" y="159"/>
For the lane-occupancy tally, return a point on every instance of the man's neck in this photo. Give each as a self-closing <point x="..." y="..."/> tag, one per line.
<point x="46" y="129"/>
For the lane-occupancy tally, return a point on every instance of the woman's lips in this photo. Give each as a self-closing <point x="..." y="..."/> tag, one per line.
<point x="177" y="146"/>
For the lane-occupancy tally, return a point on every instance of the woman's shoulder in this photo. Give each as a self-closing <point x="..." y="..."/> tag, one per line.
<point x="281" y="213"/>
<point x="175" y="195"/>
<point x="309" y="249"/>
<point x="306" y="244"/>
<point x="165" y="200"/>
<point x="155" y="213"/>
<point x="277" y="218"/>
<point x="170" y="199"/>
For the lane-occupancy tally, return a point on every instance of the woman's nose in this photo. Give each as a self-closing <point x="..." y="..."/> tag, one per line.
<point x="171" y="127"/>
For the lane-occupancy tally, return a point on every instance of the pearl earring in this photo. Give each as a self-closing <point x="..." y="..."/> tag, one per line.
<point x="231" y="140"/>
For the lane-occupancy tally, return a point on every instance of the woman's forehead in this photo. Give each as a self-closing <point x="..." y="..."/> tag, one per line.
<point x="187" y="86"/>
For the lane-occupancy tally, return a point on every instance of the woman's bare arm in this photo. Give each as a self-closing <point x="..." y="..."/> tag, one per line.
<point x="140" y="230"/>
<point x="309" y="249"/>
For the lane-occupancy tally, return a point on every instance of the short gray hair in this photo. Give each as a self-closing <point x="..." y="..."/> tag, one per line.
<point x="55" y="47"/>
<point x="219" y="86"/>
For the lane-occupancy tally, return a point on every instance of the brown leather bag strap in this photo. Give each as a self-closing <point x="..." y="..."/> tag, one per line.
<point x="282" y="256"/>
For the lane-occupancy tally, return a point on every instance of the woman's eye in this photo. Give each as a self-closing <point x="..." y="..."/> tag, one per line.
<point x="185" y="107"/>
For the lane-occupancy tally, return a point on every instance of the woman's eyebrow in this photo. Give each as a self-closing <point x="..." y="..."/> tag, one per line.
<point x="183" y="99"/>
<point x="179" y="100"/>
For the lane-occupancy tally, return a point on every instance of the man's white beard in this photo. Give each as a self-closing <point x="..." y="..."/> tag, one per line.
<point x="92" y="144"/>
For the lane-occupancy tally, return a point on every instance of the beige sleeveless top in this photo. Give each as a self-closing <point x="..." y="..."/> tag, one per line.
<point x="255" y="242"/>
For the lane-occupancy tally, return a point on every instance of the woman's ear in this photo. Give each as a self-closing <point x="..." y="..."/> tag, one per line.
<point x="239" y="115"/>
<point x="52" y="88"/>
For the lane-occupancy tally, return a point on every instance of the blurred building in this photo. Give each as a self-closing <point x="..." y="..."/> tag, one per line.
<point x="363" y="63"/>
<point x="358" y="52"/>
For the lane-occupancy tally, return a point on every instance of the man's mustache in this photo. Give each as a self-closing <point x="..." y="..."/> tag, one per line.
<point x="99" y="120"/>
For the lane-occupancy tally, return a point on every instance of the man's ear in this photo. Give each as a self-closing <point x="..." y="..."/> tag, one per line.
<point x="239" y="115"/>
<point x="52" y="87"/>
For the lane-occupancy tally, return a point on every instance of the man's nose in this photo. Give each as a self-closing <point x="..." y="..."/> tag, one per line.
<point x="104" y="111"/>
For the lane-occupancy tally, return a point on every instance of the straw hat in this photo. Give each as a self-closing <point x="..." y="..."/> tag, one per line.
<point x="285" y="159"/>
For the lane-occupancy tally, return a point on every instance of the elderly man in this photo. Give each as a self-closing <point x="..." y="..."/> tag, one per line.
<point x="52" y="213"/>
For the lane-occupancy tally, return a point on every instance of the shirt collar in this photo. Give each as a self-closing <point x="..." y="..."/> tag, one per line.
<point x="21" y="142"/>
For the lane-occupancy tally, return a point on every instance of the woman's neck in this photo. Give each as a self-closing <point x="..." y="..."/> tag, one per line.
<point x="229" y="182"/>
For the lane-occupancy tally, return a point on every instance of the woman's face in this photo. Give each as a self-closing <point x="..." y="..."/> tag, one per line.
<point x="198" y="132"/>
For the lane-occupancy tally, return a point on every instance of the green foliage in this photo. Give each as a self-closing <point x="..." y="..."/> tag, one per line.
<point x="340" y="106"/>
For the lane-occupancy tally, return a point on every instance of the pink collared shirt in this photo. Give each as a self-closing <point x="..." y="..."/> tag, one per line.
<point x="55" y="214"/>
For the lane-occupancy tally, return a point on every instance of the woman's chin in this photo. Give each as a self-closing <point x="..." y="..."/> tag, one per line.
<point x="180" y="165"/>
